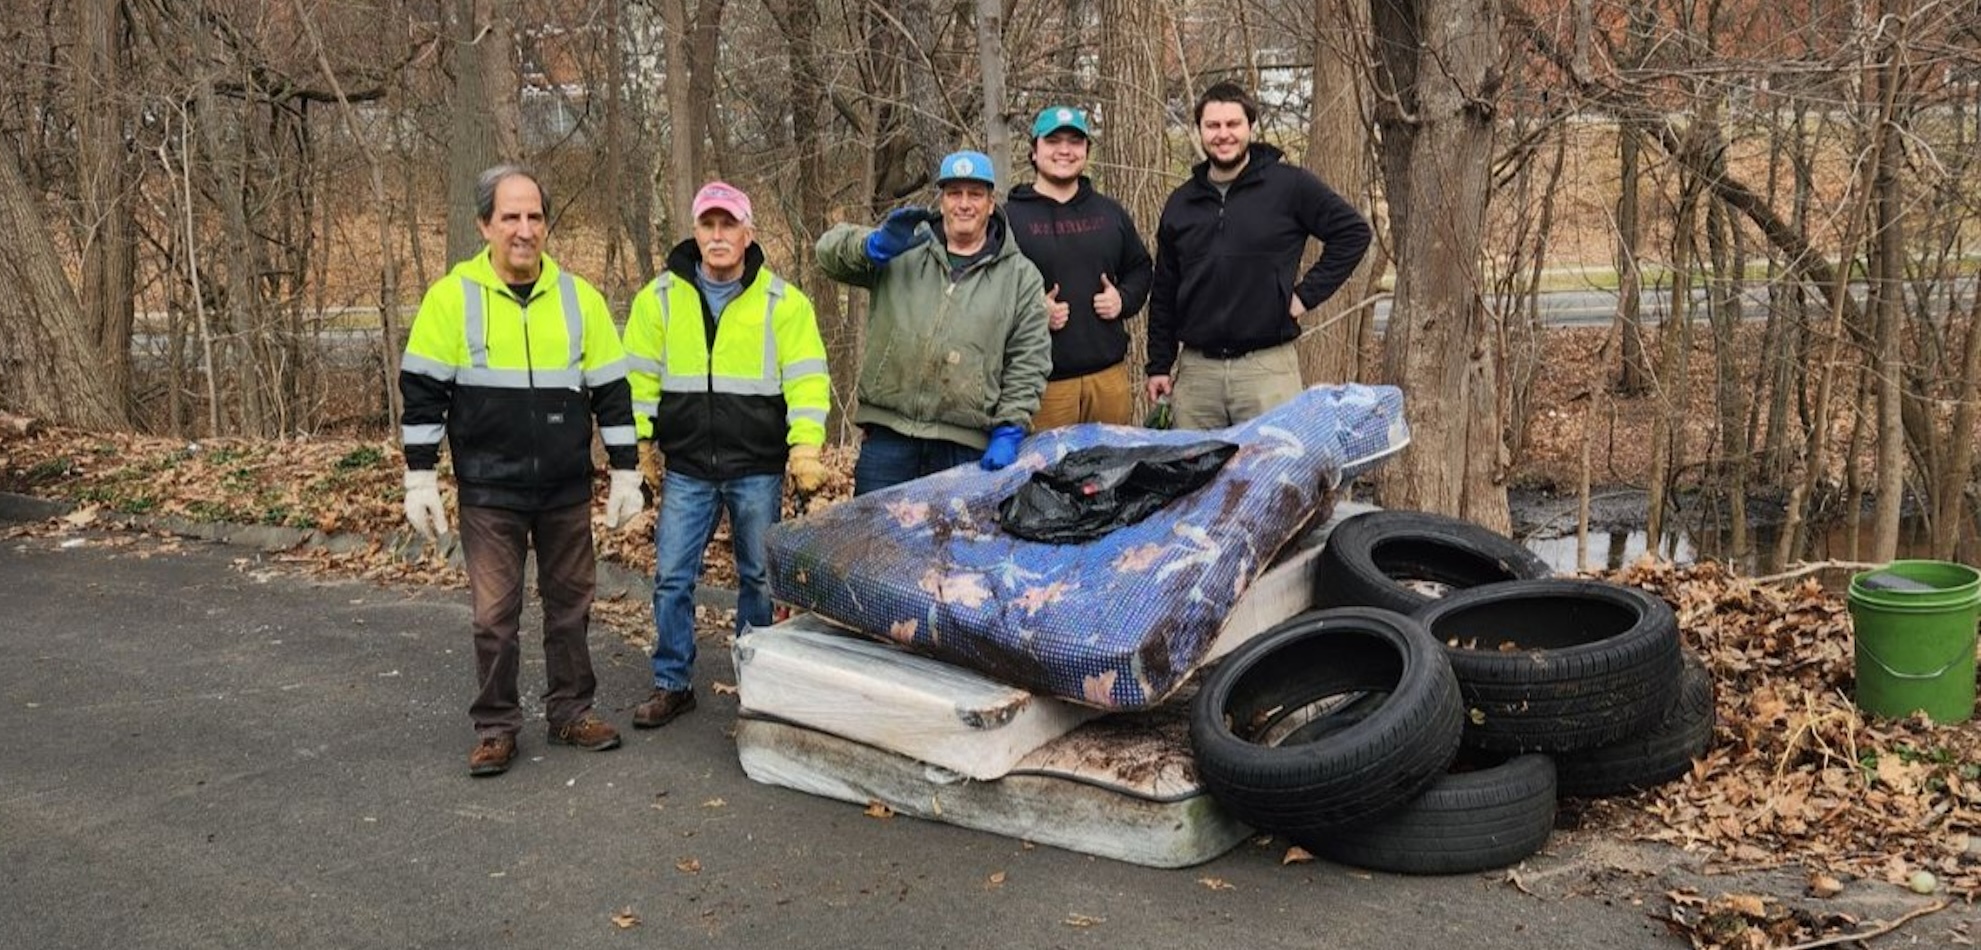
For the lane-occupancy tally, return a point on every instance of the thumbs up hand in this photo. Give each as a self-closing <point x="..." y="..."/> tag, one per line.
<point x="1107" y="303"/>
<point x="1056" y="311"/>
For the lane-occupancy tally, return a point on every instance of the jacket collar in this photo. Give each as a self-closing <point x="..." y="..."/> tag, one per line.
<point x="683" y="260"/>
<point x="481" y="269"/>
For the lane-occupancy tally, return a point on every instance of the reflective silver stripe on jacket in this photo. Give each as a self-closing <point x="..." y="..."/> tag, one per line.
<point x="572" y="378"/>
<point x="422" y="366"/>
<point x="770" y="383"/>
<point x="428" y="434"/>
<point x="475" y="324"/>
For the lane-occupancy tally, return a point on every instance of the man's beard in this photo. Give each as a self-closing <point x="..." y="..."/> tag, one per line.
<point x="1234" y="164"/>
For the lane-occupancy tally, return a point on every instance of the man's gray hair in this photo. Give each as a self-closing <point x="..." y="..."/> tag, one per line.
<point x="486" y="184"/>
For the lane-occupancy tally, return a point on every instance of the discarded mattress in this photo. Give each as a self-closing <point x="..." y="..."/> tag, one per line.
<point x="814" y="673"/>
<point x="1116" y="623"/>
<point x="806" y="670"/>
<point x="1121" y="787"/>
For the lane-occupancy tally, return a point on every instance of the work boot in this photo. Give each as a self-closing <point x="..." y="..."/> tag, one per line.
<point x="491" y="756"/>
<point x="661" y="708"/>
<point x="586" y="732"/>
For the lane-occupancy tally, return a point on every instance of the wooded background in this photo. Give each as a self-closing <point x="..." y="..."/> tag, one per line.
<point x="224" y="209"/>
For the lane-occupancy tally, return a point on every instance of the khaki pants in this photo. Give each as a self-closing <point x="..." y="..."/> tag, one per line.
<point x="1095" y="397"/>
<point x="1209" y="393"/>
<point x="495" y="542"/>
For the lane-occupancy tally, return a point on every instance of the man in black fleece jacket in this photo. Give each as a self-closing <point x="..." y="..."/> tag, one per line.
<point x="1228" y="248"/>
<point x="1096" y="272"/>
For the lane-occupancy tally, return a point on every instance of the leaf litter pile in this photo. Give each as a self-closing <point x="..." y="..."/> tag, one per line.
<point x="1797" y="776"/>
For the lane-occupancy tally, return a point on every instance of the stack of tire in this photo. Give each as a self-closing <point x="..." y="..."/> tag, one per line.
<point x="1426" y="716"/>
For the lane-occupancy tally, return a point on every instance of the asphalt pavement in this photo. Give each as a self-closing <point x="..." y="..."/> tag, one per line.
<point x="206" y="748"/>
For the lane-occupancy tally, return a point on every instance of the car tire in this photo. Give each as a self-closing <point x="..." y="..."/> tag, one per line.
<point x="1465" y="821"/>
<point x="1557" y="665"/>
<point x="1658" y="756"/>
<point x="1329" y="718"/>
<point x="1375" y="558"/>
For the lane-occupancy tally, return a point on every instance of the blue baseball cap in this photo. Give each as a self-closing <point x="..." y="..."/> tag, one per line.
<point x="1053" y="118"/>
<point x="966" y="166"/>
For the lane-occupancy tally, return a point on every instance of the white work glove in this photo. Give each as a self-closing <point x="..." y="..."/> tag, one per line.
<point x="624" y="501"/>
<point x="424" y="510"/>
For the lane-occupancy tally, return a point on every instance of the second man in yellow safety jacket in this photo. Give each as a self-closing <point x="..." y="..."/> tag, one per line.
<point x="729" y="385"/>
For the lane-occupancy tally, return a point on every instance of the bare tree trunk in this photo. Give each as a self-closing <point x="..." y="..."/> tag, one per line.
<point x="684" y="138"/>
<point x="1950" y="494"/>
<point x="616" y="285"/>
<point x="388" y="271"/>
<point x="48" y="360"/>
<point x="799" y="21"/>
<point x="990" y="55"/>
<point x="1673" y="386"/>
<point x="501" y="79"/>
<point x="1634" y="375"/>
<point x="103" y="185"/>
<point x="471" y="145"/>
<point x="1888" y="360"/>
<point x="1723" y="244"/>
<point x="704" y="52"/>
<point x="1338" y="150"/>
<point x="1131" y="99"/>
<point x="1436" y="77"/>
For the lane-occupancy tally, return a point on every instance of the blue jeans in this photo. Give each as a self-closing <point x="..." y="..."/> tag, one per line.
<point x="689" y="510"/>
<point x="888" y="458"/>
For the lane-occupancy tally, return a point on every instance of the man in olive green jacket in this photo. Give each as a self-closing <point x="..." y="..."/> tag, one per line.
<point x="958" y="346"/>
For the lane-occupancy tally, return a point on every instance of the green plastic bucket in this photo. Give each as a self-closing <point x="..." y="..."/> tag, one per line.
<point x="1914" y="624"/>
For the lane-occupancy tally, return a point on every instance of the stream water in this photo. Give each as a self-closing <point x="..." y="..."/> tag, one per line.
<point x="1612" y="547"/>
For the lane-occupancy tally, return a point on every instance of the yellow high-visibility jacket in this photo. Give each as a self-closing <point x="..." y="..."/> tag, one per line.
<point x="515" y="385"/>
<point x="724" y="395"/>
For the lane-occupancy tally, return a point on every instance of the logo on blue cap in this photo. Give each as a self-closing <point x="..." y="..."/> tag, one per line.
<point x="967" y="166"/>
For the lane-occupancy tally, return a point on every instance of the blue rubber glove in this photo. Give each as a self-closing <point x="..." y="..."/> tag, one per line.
<point x="898" y="234"/>
<point x="1003" y="448"/>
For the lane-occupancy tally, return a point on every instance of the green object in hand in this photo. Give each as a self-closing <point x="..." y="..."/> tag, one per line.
<point x="1158" y="417"/>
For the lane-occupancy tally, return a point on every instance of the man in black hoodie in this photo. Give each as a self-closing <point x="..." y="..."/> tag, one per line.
<point x="1225" y="309"/>
<point x="1096" y="272"/>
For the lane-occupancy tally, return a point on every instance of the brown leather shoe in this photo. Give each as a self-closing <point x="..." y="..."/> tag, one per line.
<point x="586" y="732"/>
<point x="491" y="756"/>
<point x="661" y="708"/>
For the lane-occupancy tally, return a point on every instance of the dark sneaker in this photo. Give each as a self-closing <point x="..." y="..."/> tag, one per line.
<point x="661" y="708"/>
<point x="586" y="732"/>
<point x="491" y="756"/>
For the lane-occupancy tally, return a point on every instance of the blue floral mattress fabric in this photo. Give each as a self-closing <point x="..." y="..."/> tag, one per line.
<point x="1118" y="622"/>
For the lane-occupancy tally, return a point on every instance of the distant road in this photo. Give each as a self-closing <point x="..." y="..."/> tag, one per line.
<point x="1558" y="308"/>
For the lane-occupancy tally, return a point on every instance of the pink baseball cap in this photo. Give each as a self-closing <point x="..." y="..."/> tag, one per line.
<point x="721" y="194"/>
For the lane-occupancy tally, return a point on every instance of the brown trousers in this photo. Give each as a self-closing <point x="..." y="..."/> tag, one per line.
<point x="495" y="542"/>
<point x="1102" y="396"/>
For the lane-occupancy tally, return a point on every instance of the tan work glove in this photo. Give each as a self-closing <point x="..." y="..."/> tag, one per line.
<point x="424" y="509"/>
<point x="650" y="466"/>
<point x="624" y="501"/>
<point x="806" y="471"/>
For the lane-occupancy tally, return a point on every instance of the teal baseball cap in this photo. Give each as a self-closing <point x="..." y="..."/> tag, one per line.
<point x="1053" y="118"/>
<point x="966" y="166"/>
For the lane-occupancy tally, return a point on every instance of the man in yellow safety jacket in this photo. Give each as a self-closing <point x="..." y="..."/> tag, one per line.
<point x="729" y="385"/>
<point x="512" y="359"/>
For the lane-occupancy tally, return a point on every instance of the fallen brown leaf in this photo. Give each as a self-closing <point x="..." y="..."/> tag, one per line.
<point x="879" y="810"/>
<point x="1295" y="855"/>
<point x="689" y="865"/>
<point x="625" y="919"/>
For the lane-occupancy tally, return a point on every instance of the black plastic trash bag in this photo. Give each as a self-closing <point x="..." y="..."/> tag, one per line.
<point x="1093" y="491"/>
